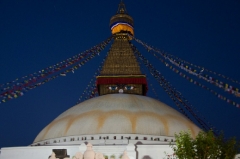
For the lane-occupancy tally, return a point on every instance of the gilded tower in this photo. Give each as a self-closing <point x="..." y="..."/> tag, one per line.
<point x="121" y="72"/>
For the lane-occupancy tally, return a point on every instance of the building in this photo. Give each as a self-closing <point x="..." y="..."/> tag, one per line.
<point x="121" y="123"/>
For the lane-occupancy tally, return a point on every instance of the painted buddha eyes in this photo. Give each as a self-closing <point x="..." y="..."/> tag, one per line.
<point x="113" y="88"/>
<point x="128" y="87"/>
<point x="116" y="88"/>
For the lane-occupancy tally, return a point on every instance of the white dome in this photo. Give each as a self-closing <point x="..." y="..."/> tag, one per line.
<point x="118" y="114"/>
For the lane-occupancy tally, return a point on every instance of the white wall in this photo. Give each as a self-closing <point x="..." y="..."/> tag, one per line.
<point x="153" y="151"/>
<point x="43" y="152"/>
<point x="134" y="151"/>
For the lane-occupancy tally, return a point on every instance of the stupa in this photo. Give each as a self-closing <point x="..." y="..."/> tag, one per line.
<point x="121" y="123"/>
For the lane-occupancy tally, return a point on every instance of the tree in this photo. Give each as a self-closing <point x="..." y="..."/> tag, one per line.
<point x="205" y="146"/>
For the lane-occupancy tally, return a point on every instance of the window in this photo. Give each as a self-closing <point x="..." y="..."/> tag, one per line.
<point x="156" y="139"/>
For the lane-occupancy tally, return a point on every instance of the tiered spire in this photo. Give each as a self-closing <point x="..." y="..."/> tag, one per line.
<point x="121" y="72"/>
<point x="121" y="59"/>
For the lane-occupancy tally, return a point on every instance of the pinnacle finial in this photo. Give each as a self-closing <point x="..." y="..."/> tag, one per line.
<point x="121" y="8"/>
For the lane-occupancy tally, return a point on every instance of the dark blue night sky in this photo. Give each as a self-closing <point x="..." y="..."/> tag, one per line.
<point x="37" y="34"/>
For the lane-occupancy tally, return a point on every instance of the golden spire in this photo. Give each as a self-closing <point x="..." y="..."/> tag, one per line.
<point x="121" y="72"/>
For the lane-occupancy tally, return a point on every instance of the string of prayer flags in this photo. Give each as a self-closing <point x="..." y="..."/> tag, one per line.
<point x="17" y="90"/>
<point x="91" y="89"/>
<point x="199" y="73"/>
<point x="201" y="85"/>
<point x="174" y="95"/>
<point x="225" y="86"/>
<point x="201" y="68"/>
<point x="57" y="67"/>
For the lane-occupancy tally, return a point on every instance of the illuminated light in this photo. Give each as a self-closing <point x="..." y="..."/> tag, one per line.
<point x="122" y="27"/>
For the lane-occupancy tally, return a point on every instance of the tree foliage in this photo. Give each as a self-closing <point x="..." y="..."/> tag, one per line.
<point x="205" y="146"/>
